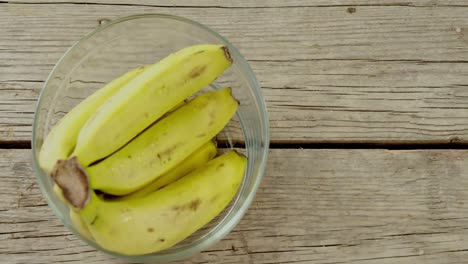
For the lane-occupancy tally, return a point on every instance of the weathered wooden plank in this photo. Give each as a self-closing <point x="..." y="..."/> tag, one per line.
<point x="314" y="206"/>
<point x="17" y="106"/>
<point x="372" y="32"/>
<point x="388" y="72"/>
<point x="326" y="101"/>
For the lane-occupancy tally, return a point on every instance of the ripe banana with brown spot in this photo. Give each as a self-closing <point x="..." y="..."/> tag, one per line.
<point x="147" y="97"/>
<point x="165" y="217"/>
<point x="74" y="217"/>
<point x="159" y="148"/>
<point x="196" y="160"/>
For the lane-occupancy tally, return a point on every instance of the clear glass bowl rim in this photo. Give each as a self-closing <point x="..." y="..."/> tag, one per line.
<point x="228" y="223"/>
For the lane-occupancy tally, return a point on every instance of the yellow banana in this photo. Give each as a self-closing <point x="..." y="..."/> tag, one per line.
<point x="59" y="193"/>
<point x="61" y="140"/>
<point x="160" y="147"/>
<point x="74" y="217"/>
<point x="79" y="224"/>
<point x="196" y="160"/>
<point x="147" y="97"/>
<point x="163" y="218"/>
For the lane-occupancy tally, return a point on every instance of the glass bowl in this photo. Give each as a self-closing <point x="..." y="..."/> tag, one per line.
<point x="121" y="45"/>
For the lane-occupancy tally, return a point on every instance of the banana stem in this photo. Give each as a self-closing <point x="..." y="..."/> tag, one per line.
<point x="73" y="180"/>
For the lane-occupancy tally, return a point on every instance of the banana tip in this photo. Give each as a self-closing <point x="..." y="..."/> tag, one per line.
<point x="239" y="153"/>
<point x="235" y="99"/>
<point x="227" y="54"/>
<point x="238" y="102"/>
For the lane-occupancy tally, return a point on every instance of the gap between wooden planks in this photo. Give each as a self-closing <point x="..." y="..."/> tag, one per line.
<point x="313" y="206"/>
<point x="388" y="72"/>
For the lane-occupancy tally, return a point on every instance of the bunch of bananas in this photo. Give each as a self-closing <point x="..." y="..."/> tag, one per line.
<point x="138" y="140"/>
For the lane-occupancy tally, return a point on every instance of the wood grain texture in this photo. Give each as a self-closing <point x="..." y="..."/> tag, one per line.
<point x="313" y="206"/>
<point x="386" y="71"/>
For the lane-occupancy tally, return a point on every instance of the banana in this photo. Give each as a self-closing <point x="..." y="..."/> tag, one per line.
<point x="59" y="193"/>
<point x="196" y="160"/>
<point x="74" y="217"/>
<point x="164" y="145"/>
<point x="61" y="140"/>
<point x="165" y="217"/>
<point x="79" y="224"/>
<point x="160" y="147"/>
<point x="147" y="97"/>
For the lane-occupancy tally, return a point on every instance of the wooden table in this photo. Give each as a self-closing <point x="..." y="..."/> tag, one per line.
<point x="369" y="129"/>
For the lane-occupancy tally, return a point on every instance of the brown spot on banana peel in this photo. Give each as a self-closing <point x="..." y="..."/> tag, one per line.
<point x="227" y="54"/>
<point x="193" y="205"/>
<point x="167" y="152"/>
<point x="73" y="180"/>
<point x="94" y="220"/>
<point x="197" y="71"/>
<point x="150" y="230"/>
